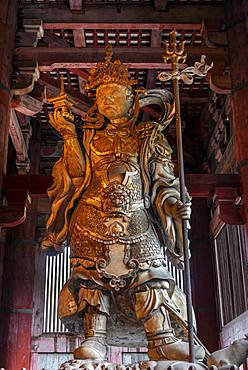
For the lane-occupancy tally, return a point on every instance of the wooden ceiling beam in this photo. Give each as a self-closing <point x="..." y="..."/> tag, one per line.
<point x="80" y="73"/>
<point x="177" y="13"/>
<point x="145" y="57"/>
<point x="19" y="143"/>
<point x="121" y="26"/>
<point x="54" y="41"/>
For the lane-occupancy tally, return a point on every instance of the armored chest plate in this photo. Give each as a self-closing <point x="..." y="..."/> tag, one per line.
<point x="114" y="140"/>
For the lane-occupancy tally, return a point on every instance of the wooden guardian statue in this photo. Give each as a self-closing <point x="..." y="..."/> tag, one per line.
<point x="110" y="188"/>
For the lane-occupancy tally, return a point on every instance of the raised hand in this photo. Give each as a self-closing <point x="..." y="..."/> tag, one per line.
<point x="179" y="211"/>
<point x="62" y="121"/>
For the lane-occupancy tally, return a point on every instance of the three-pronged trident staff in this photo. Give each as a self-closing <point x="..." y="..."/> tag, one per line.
<point x="174" y="53"/>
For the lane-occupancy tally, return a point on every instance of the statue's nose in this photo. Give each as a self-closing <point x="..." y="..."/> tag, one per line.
<point x="108" y="99"/>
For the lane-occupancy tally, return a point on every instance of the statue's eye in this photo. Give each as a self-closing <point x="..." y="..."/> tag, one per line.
<point x="159" y="149"/>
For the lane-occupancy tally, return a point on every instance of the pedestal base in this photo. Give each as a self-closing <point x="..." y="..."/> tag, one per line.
<point x="146" y="365"/>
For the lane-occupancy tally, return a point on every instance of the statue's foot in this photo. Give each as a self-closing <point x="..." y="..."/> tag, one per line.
<point x="177" y="350"/>
<point x="93" y="348"/>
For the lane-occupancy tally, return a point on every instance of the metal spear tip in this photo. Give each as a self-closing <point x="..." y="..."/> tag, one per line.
<point x="174" y="51"/>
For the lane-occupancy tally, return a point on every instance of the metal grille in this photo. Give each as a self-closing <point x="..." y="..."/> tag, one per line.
<point x="57" y="273"/>
<point x="177" y="274"/>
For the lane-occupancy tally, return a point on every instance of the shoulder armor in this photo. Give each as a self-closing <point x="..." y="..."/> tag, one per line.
<point x="145" y="129"/>
<point x="159" y="146"/>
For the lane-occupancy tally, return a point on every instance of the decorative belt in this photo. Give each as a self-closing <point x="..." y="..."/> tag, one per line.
<point x="109" y="240"/>
<point x="124" y="157"/>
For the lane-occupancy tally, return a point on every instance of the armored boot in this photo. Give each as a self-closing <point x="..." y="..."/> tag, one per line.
<point x="94" y="346"/>
<point x="162" y="344"/>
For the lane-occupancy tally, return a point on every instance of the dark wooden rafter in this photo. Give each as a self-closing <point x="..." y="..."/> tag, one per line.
<point x="182" y="13"/>
<point x="53" y="40"/>
<point x="227" y="208"/>
<point x="84" y="74"/>
<point x="19" y="203"/>
<point x="144" y="35"/>
<point x="20" y="142"/>
<point x="51" y="58"/>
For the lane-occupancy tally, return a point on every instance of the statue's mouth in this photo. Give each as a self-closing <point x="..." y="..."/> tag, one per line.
<point x="109" y="107"/>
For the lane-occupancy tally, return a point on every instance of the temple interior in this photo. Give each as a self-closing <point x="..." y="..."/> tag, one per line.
<point x="44" y="42"/>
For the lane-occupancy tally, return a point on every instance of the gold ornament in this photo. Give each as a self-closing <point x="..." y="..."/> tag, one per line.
<point x="109" y="72"/>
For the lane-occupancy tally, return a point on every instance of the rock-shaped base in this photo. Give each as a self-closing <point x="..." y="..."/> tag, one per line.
<point x="146" y="365"/>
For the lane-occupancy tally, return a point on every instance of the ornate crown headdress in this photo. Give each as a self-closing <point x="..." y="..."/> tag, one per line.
<point x="109" y="72"/>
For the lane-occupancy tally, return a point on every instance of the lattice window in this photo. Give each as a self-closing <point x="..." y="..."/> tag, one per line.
<point x="140" y="75"/>
<point x="191" y="37"/>
<point x="70" y="78"/>
<point x="118" y="38"/>
<point x="230" y="254"/>
<point x="57" y="273"/>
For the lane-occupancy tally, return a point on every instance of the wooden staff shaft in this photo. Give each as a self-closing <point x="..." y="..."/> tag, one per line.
<point x="188" y="290"/>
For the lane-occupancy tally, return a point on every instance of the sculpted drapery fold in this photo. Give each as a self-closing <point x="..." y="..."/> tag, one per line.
<point x="71" y="175"/>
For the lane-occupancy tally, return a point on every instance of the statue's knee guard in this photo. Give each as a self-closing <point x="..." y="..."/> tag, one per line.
<point x="149" y="307"/>
<point x="158" y="327"/>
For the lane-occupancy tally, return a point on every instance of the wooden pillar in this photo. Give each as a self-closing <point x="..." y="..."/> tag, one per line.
<point x="21" y="251"/>
<point x="238" y="55"/>
<point x="17" y="310"/>
<point x="8" y="22"/>
<point x="203" y="275"/>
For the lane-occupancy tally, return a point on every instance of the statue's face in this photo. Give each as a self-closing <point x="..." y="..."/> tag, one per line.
<point x="114" y="100"/>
